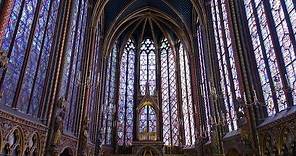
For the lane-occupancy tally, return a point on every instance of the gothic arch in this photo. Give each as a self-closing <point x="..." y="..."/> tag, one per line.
<point x="153" y="149"/>
<point x="122" y="24"/>
<point x="67" y="151"/>
<point x="14" y="141"/>
<point x="33" y="144"/>
<point x="287" y="141"/>
<point x="100" y="5"/>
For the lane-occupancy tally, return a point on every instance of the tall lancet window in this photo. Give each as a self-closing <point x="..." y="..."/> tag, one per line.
<point x="126" y="93"/>
<point x="169" y="95"/>
<point x="187" y="104"/>
<point x="274" y="52"/>
<point x="109" y="103"/>
<point x="147" y="67"/>
<point x="228" y="72"/>
<point x="205" y="83"/>
<point x="27" y="41"/>
<point x="71" y="80"/>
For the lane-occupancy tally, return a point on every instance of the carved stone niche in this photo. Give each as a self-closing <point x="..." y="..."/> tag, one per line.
<point x="148" y="148"/>
<point x="14" y="142"/>
<point x="33" y="145"/>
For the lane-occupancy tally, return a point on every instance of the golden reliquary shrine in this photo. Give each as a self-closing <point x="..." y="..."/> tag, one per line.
<point x="147" y="77"/>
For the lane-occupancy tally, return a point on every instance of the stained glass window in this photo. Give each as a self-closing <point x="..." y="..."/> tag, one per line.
<point x="28" y="59"/>
<point x="169" y="95"/>
<point x="71" y="80"/>
<point x="109" y="104"/>
<point x="147" y="122"/>
<point x="147" y="67"/>
<point x="93" y="104"/>
<point x="187" y="104"/>
<point x="228" y="72"/>
<point x="147" y="118"/>
<point x="271" y="61"/>
<point x="126" y="93"/>
<point x="204" y="84"/>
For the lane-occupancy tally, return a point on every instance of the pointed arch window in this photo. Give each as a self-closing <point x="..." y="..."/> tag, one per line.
<point x="187" y="103"/>
<point x="205" y="83"/>
<point x="148" y="67"/>
<point x="228" y="73"/>
<point x="109" y="103"/>
<point x="71" y="74"/>
<point x="169" y="94"/>
<point x="274" y="52"/>
<point x="126" y="95"/>
<point x="27" y="41"/>
<point x="147" y="121"/>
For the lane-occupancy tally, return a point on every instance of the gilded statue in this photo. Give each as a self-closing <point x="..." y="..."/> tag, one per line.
<point x="59" y="121"/>
<point x="84" y="136"/>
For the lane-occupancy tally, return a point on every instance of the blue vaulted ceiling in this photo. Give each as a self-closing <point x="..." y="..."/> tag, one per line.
<point x="172" y="8"/>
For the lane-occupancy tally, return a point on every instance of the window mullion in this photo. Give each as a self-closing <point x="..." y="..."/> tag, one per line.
<point x="220" y="46"/>
<point x="39" y="59"/>
<point x="27" y="53"/>
<point x="169" y="94"/>
<point x="229" y="76"/>
<point x="265" y="58"/>
<point x="289" y="24"/>
<point x="186" y="86"/>
<point x="277" y="50"/>
<point x="125" y="102"/>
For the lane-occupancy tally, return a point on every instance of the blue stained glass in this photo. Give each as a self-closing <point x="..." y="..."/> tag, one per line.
<point x="126" y="93"/>
<point x="29" y="81"/>
<point x="169" y="95"/>
<point x="109" y="103"/>
<point x="187" y="105"/>
<point x="18" y="52"/>
<point x="69" y="51"/>
<point x="228" y="72"/>
<point x="72" y="68"/>
<point x="147" y="120"/>
<point x="147" y="67"/>
<point x="11" y="26"/>
<point x="205" y="83"/>
<point x="267" y="61"/>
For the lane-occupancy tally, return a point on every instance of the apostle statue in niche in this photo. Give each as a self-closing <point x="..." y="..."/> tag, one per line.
<point x="57" y="127"/>
<point x="59" y="121"/>
<point x="84" y="136"/>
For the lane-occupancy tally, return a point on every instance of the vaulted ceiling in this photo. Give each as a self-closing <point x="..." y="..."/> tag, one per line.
<point x="168" y="17"/>
<point x="180" y="10"/>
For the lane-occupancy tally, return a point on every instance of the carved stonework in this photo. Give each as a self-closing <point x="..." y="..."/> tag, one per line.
<point x="278" y="138"/>
<point x="99" y="143"/>
<point x="69" y="142"/>
<point x="83" y="138"/>
<point x="58" y="126"/>
<point x="22" y="130"/>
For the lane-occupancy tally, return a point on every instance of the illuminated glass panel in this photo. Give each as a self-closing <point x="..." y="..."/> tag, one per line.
<point x="148" y="119"/>
<point x="17" y="44"/>
<point x="126" y="93"/>
<point x="228" y="72"/>
<point x="187" y="104"/>
<point x="93" y="103"/>
<point x="71" y="80"/>
<point x="204" y="84"/>
<point x="109" y="104"/>
<point x="147" y="67"/>
<point x="18" y="51"/>
<point x="169" y="95"/>
<point x="283" y="13"/>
